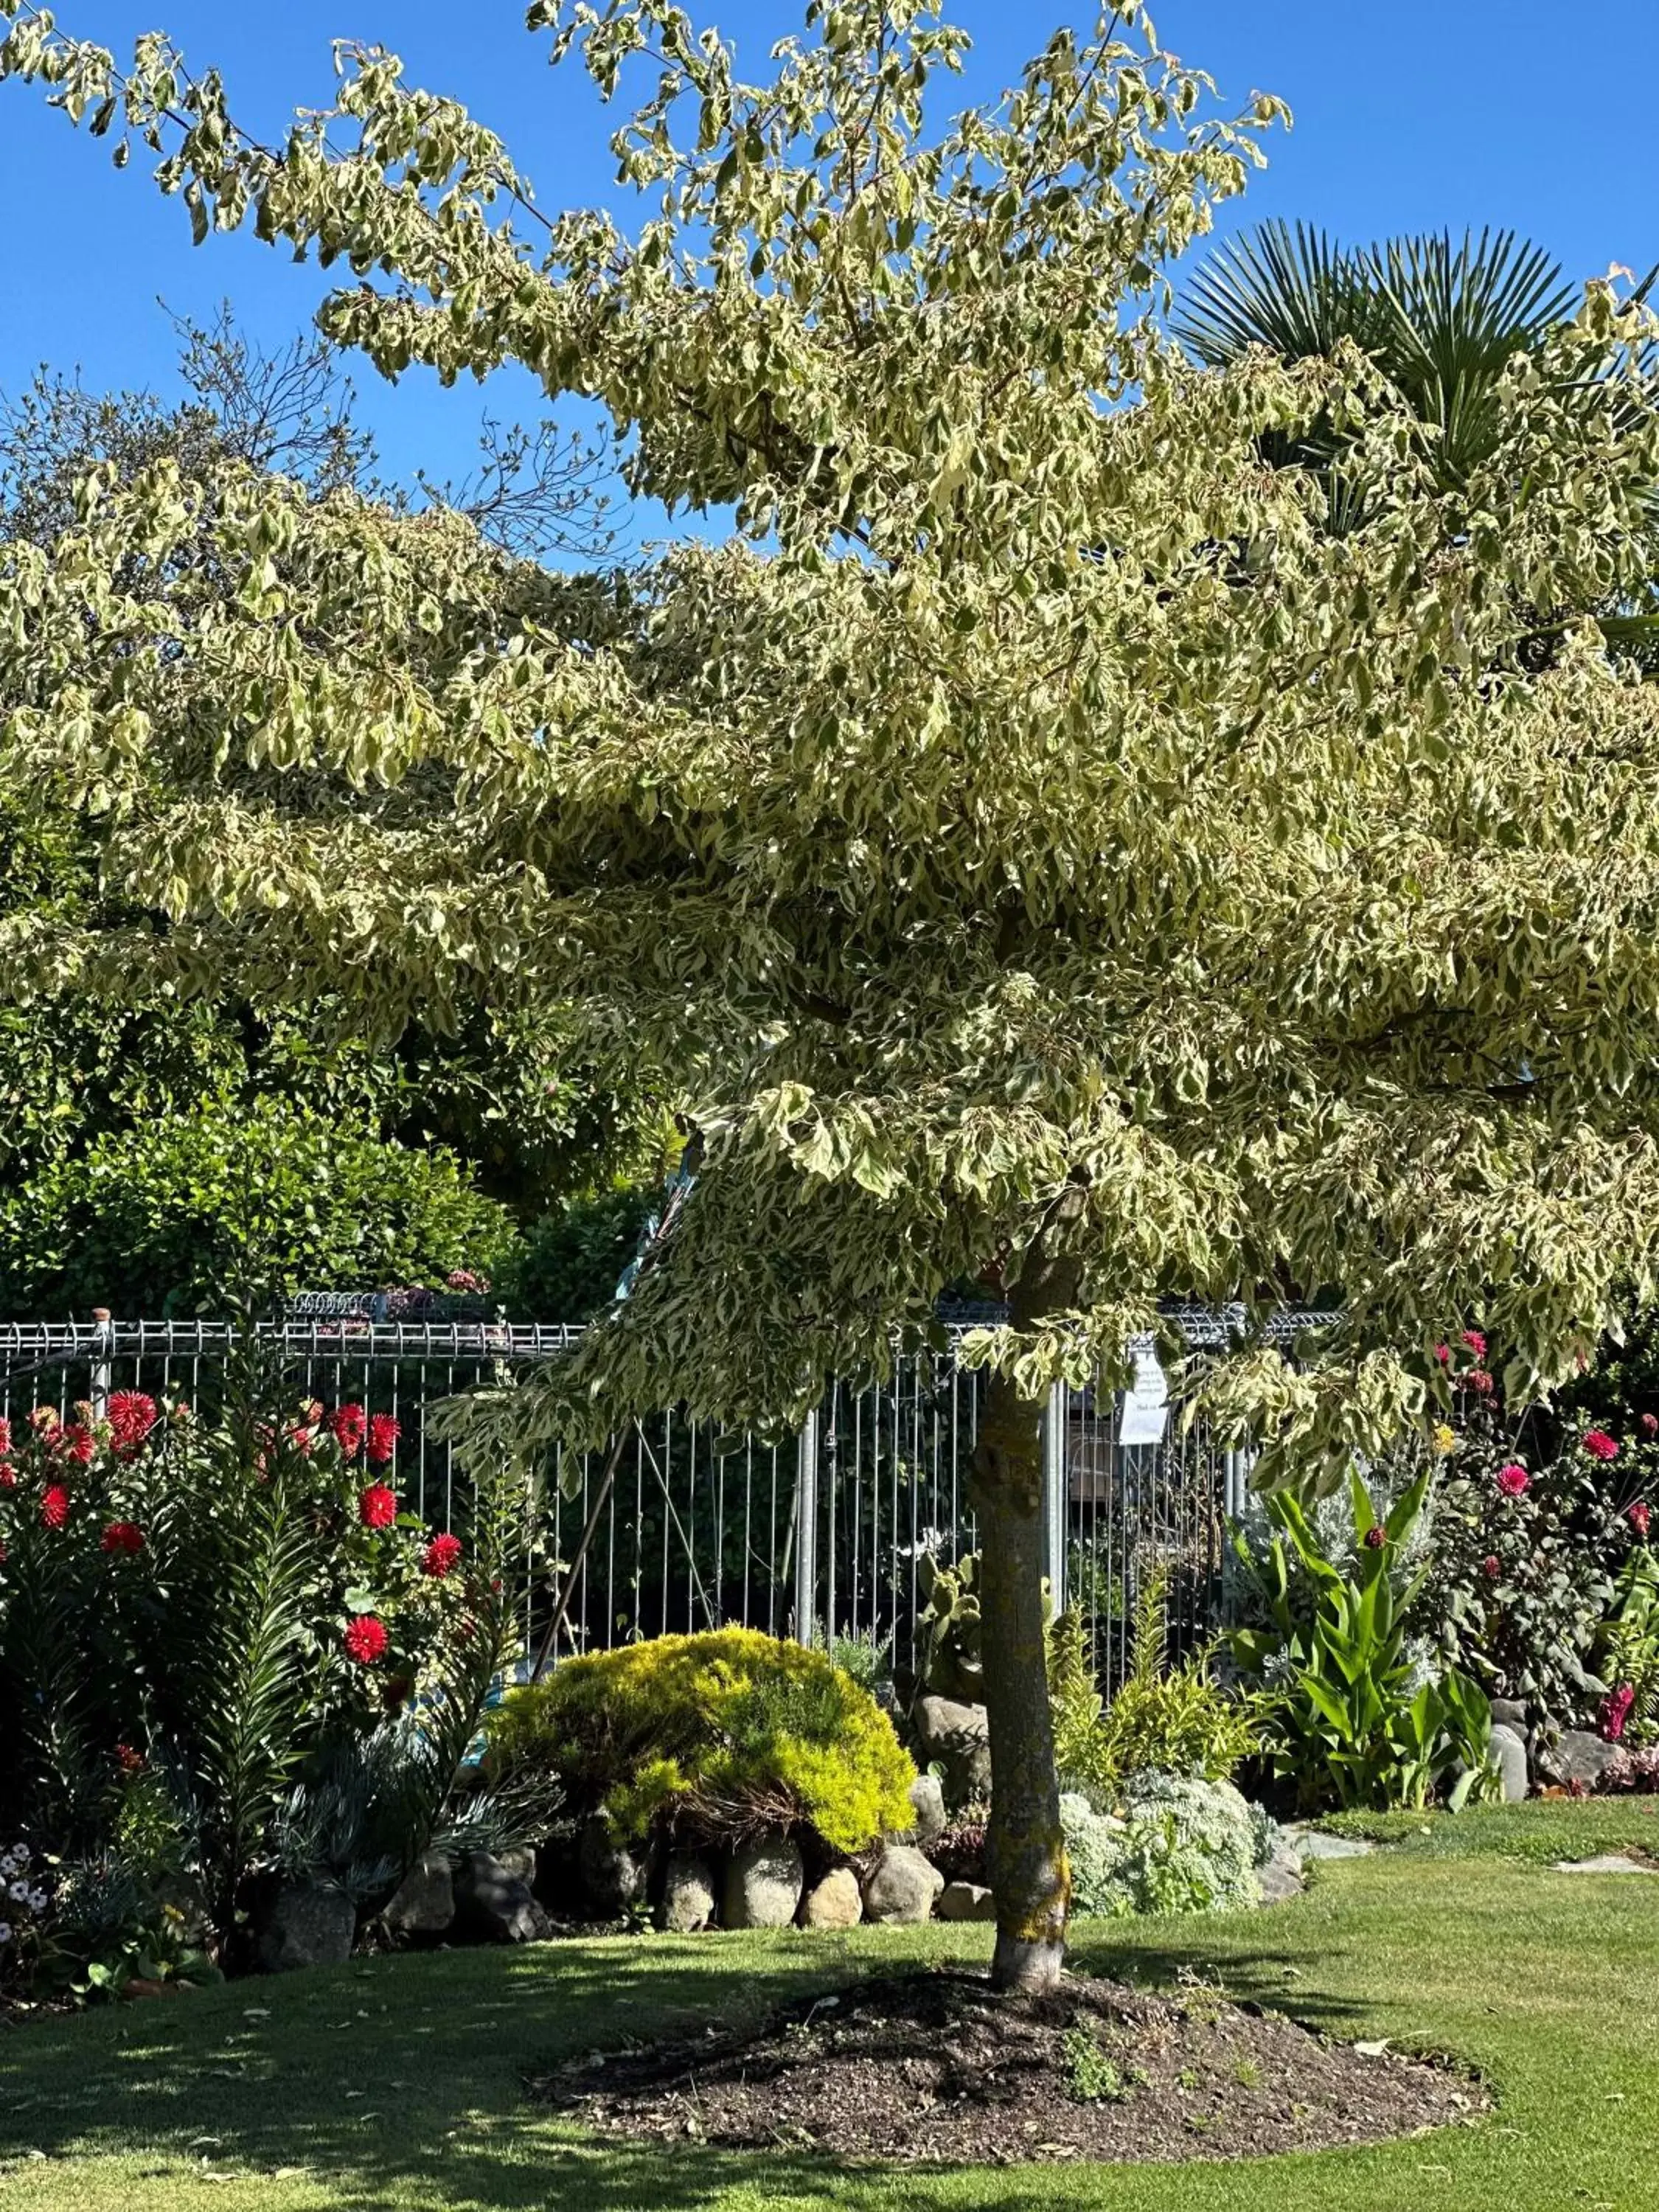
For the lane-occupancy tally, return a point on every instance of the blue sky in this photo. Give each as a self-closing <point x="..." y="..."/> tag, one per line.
<point x="1468" y="111"/>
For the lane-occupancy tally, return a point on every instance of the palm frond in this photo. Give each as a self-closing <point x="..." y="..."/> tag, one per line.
<point x="1294" y="291"/>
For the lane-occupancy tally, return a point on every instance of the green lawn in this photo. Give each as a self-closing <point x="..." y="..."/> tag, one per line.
<point x="398" y="2083"/>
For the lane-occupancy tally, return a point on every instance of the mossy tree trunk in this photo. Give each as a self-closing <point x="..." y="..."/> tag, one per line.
<point x="1030" y="1879"/>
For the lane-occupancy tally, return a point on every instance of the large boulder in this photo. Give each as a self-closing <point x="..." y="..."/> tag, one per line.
<point x="763" y="1884"/>
<point x="305" y="1925"/>
<point x="958" y="1738"/>
<point x="688" y="1895"/>
<point x="927" y="1803"/>
<point x="425" y="1904"/>
<point x="1576" y="1757"/>
<point x="1508" y="1754"/>
<point x="966" y="1900"/>
<point x="900" y="1885"/>
<point x="613" y="1878"/>
<point x="835" y="1903"/>
<point x="494" y="1905"/>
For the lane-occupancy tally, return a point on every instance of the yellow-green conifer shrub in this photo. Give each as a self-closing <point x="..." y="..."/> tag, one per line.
<point x="718" y="1734"/>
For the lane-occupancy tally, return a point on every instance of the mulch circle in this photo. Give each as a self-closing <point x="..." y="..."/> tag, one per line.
<point x="936" y="2067"/>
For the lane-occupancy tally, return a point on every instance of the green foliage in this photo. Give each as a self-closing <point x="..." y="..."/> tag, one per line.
<point x="1355" y="1715"/>
<point x="1174" y="1843"/>
<point x="717" y="1735"/>
<point x="183" y="1678"/>
<point x="1630" y="1644"/>
<point x="1518" y="1587"/>
<point x="1173" y="1718"/>
<point x="189" y="1213"/>
<point x="867" y="1657"/>
<point x="1444" y="321"/>
<point x="1091" y="2077"/>
<point x="949" y="1625"/>
<point x="568" y="1264"/>
<point x="1037" y="838"/>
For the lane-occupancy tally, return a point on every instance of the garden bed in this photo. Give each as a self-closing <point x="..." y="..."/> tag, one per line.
<point x="934" y="2067"/>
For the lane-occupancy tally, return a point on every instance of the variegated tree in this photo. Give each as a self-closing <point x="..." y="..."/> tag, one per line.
<point x="1025" y="838"/>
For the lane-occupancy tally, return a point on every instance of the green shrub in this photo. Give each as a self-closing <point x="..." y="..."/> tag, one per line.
<point x="716" y="1734"/>
<point x="1176" y="1844"/>
<point x="182" y="1215"/>
<point x="1172" y="1718"/>
<point x="1356" y="1714"/>
<point x="569" y="1265"/>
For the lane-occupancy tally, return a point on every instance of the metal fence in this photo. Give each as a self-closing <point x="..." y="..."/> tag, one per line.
<point x="820" y="1535"/>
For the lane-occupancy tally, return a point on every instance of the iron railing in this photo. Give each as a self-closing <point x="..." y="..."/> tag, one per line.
<point x="819" y="1535"/>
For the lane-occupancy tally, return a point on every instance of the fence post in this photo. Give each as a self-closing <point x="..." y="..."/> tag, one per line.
<point x="1055" y="1471"/>
<point x="1236" y="1469"/>
<point x="806" y="1530"/>
<point x="100" y="1374"/>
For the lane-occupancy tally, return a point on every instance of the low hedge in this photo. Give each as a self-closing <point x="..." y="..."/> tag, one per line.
<point x="714" y="1736"/>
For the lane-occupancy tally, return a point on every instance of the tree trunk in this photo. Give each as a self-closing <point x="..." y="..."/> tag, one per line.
<point x="1026" y="1852"/>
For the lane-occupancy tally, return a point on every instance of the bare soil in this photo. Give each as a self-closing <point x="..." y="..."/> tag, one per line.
<point x="935" y="2066"/>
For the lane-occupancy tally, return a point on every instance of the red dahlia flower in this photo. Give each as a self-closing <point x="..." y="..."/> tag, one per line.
<point x="1600" y="1445"/>
<point x="131" y="1415"/>
<point x="440" y="1556"/>
<point x="366" y="1639"/>
<point x="1476" y="1342"/>
<point x="1491" y="1566"/>
<point x="1650" y="1424"/>
<point x="378" y="1506"/>
<point x="1479" y="1382"/>
<point x="1513" y="1480"/>
<point x="5" y="1439"/>
<point x="1640" y="1517"/>
<point x="54" y="1505"/>
<point x="122" y="1536"/>
<point x="78" y="1441"/>
<point x="383" y="1435"/>
<point x="8" y="1478"/>
<point x="1442" y="1353"/>
<point x="350" y="1426"/>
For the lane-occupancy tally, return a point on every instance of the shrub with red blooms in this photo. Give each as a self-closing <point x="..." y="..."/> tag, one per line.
<point x="442" y="1553"/>
<point x="1615" y="1711"/>
<point x="131" y="1415"/>
<point x="348" y="1426"/>
<point x="366" y="1639"/>
<point x="377" y="1507"/>
<point x="1532" y="1522"/>
<point x="383" y="1434"/>
<point x="161" y="1536"/>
